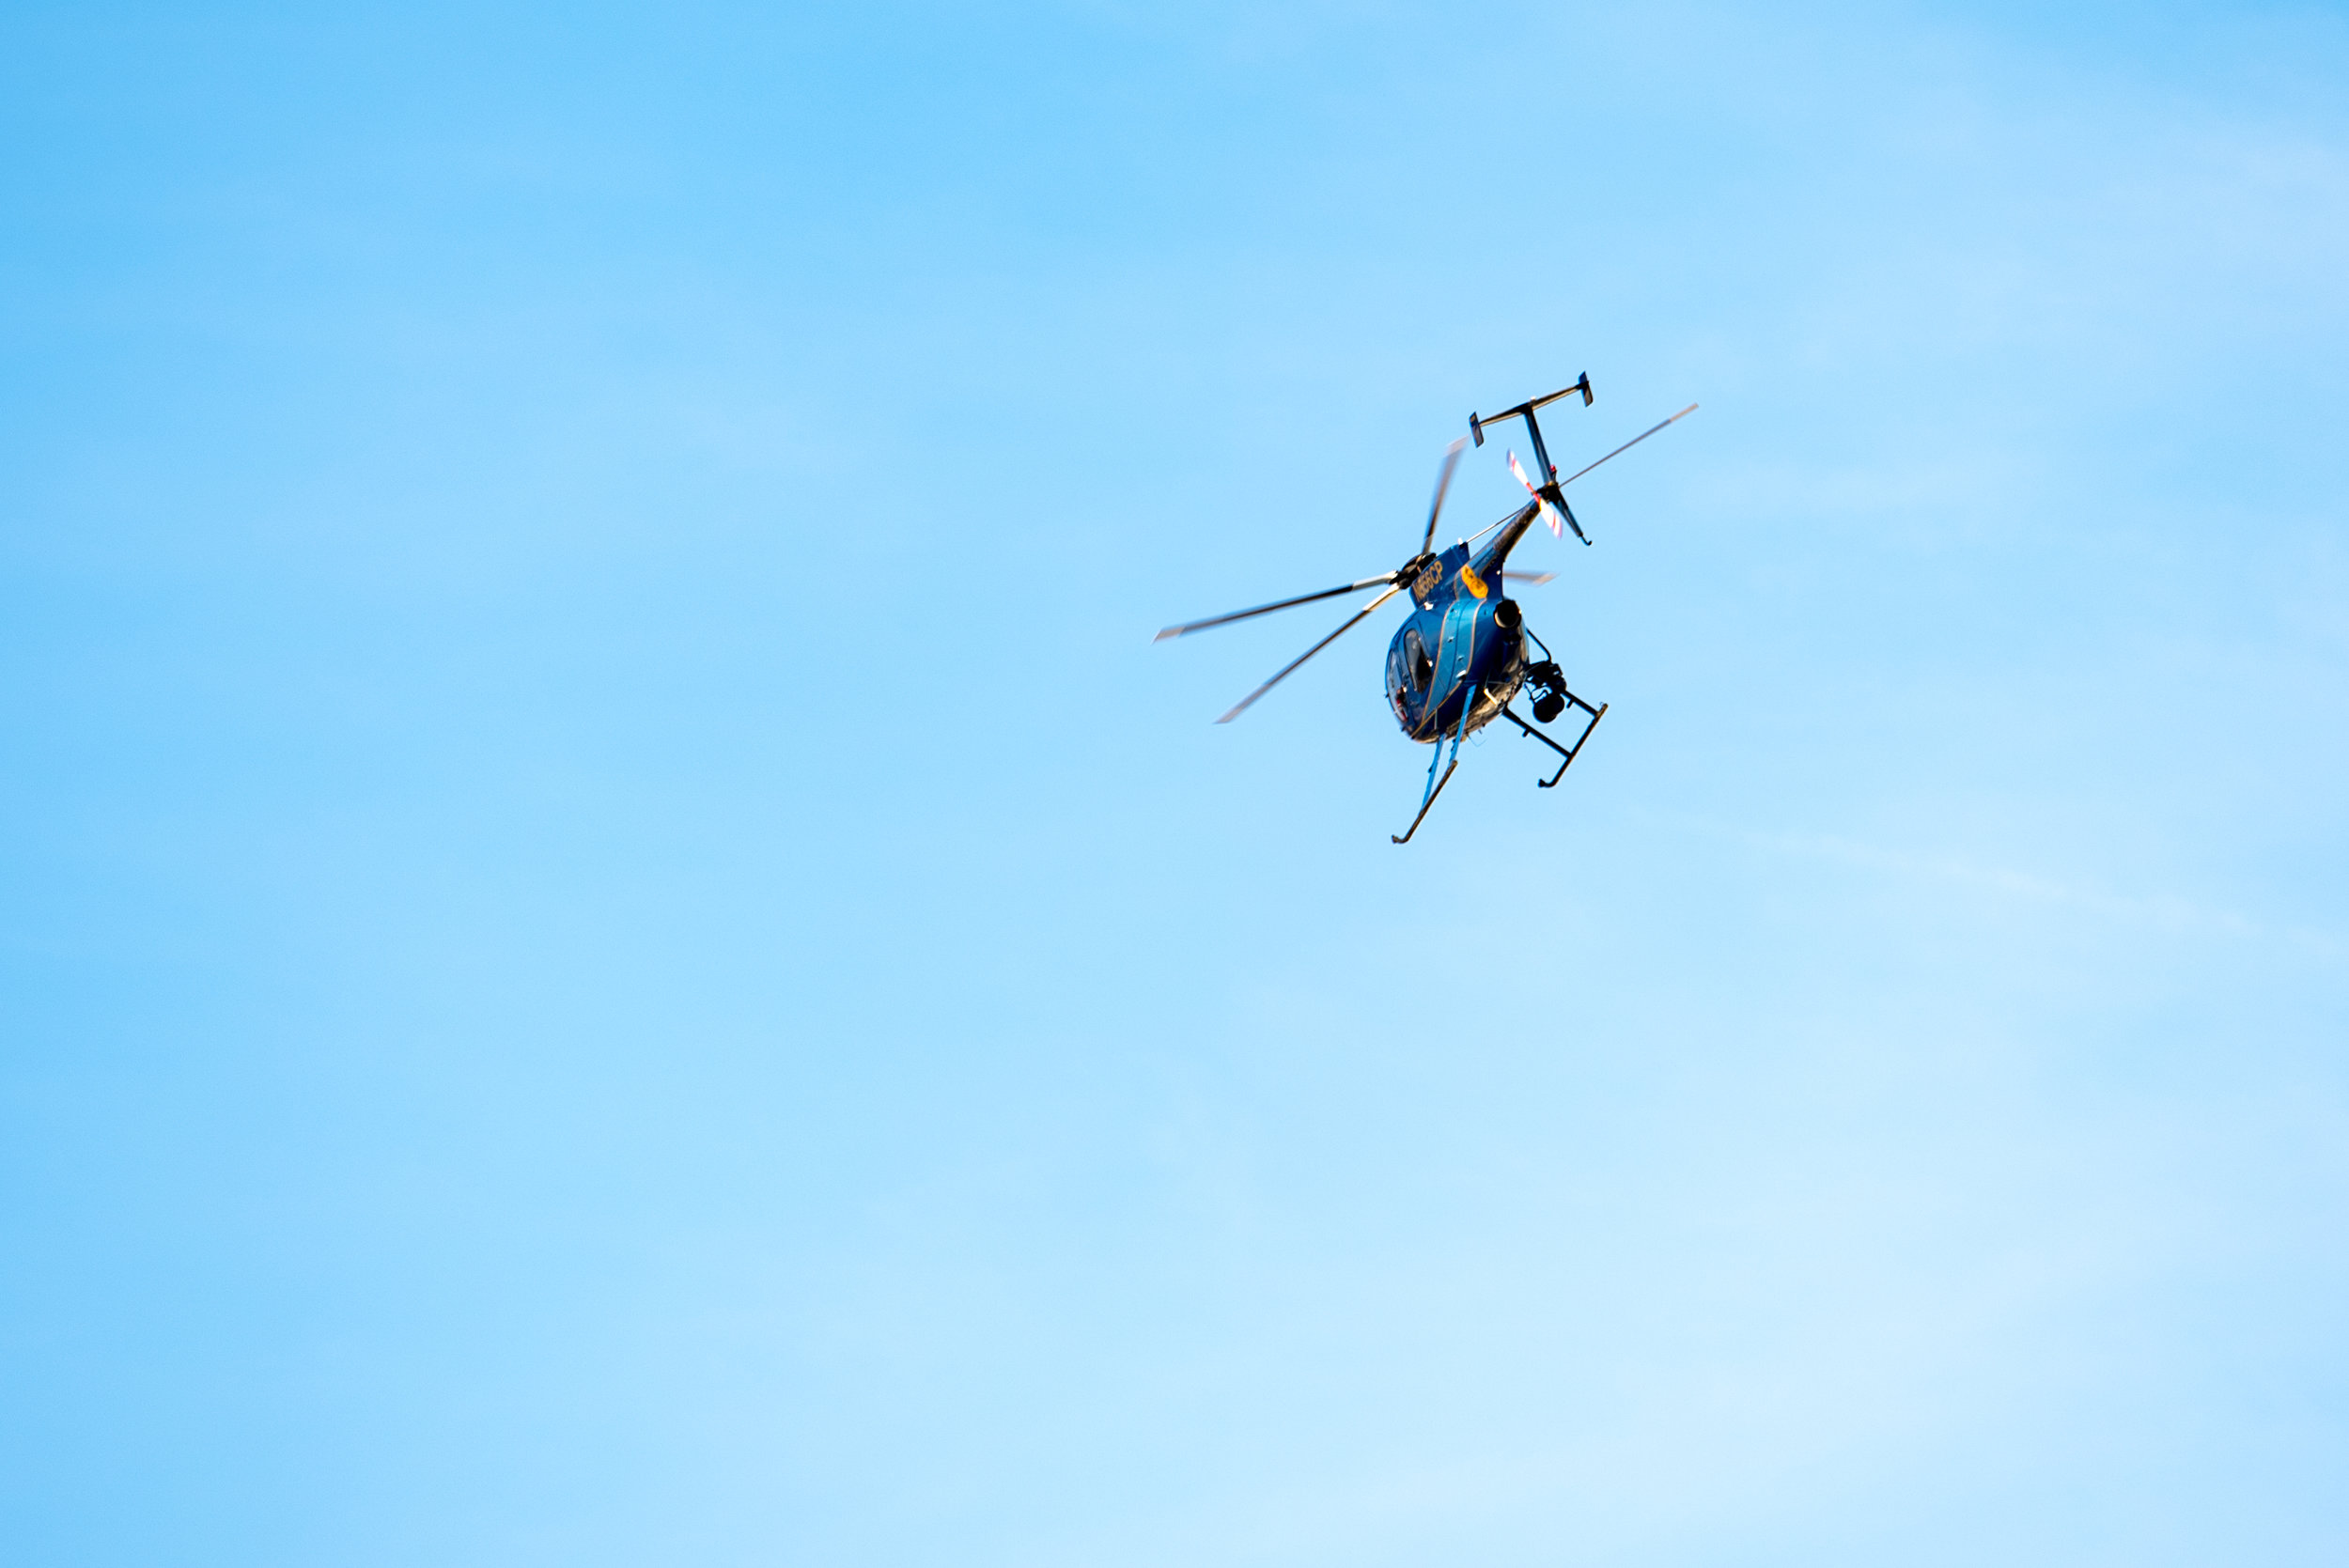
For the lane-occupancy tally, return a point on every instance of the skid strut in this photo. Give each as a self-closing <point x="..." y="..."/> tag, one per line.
<point x="1568" y="753"/>
<point x="1435" y="784"/>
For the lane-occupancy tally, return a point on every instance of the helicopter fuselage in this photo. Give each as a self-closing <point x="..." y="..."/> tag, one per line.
<point x="1460" y="655"/>
<point x="1461" y="652"/>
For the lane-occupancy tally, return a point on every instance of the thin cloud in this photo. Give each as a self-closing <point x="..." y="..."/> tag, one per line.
<point x="2168" y="912"/>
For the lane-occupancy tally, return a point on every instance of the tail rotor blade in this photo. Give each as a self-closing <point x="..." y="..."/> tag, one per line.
<point x="1541" y="499"/>
<point x="1519" y="472"/>
<point x="1249" y="700"/>
<point x="1444" y="483"/>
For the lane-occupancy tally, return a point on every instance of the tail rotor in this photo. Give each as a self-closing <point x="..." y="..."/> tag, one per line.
<point x="1554" y="509"/>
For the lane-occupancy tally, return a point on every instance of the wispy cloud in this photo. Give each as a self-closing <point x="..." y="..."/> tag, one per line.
<point x="2162" y="911"/>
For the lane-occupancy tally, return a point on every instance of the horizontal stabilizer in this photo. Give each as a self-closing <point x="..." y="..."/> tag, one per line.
<point x="1582" y="385"/>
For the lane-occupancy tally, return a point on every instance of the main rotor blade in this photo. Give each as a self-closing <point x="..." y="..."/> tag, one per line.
<point x="1245" y="703"/>
<point x="1444" y="483"/>
<point x="1628" y="444"/>
<point x="1531" y="579"/>
<point x="1528" y="512"/>
<point x="1382" y="579"/>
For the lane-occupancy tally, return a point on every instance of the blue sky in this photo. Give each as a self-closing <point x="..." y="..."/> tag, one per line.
<point x="617" y="947"/>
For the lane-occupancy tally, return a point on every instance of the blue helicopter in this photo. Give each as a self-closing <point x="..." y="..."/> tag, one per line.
<point x="1461" y="654"/>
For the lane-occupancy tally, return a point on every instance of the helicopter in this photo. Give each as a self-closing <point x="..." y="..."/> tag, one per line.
<point x="1460" y="656"/>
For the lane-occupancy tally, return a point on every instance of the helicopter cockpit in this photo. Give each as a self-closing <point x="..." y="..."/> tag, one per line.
<point x="1409" y="670"/>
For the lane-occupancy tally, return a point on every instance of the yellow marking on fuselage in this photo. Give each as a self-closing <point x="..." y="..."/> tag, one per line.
<point x="1475" y="583"/>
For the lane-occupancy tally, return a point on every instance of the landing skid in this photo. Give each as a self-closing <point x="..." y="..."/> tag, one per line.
<point x="1568" y="753"/>
<point x="1435" y="784"/>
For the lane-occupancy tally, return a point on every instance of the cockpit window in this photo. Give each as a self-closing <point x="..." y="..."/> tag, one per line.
<point x="1419" y="668"/>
